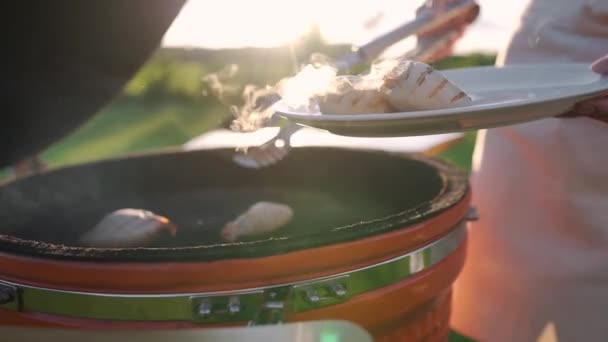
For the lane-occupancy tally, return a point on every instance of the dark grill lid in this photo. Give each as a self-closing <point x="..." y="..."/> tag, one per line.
<point x="65" y="59"/>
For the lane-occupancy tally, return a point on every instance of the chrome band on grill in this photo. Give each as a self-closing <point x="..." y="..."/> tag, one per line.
<point x="257" y="306"/>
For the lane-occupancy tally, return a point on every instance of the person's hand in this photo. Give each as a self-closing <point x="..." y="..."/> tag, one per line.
<point x="596" y="107"/>
<point x="449" y="33"/>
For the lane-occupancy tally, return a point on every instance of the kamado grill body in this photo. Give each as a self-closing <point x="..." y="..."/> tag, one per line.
<point x="377" y="239"/>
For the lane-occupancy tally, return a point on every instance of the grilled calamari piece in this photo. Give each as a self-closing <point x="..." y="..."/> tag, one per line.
<point x="353" y="95"/>
<point x="260" y="218"/>
<point x="127" y="228"/>
<point x="411" y="85"/>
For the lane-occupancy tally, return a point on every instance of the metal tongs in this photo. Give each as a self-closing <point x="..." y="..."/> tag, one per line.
<point x="426" y="22"/>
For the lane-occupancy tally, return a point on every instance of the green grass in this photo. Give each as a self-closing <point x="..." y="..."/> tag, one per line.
<point x="456" y="337"/>
<point x="461" y="153"/>
<point x="129" y="126"/>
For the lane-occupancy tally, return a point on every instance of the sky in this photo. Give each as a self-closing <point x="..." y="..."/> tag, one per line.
<point x="266" y="23"/>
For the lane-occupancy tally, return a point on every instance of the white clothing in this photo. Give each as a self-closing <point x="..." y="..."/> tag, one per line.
<point x="539" y="253"/>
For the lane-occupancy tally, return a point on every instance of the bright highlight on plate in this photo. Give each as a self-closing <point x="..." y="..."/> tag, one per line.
<point x="500" y="96"/>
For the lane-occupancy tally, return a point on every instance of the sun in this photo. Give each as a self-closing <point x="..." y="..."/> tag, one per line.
<point x="267" y="23"/>
<point x="231" y="23"/>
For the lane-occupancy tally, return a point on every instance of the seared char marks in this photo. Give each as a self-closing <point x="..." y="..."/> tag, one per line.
<point x="458" y="97"/>
<point x="438" y="88"/>
<point x="429" y="70"/>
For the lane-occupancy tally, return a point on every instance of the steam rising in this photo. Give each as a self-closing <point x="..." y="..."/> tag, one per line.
<point x="297" y="92"/>
<point x="215" y="81"/>
<point x="391" y="85"/>
<point x="301" y="92"/>
<point x="256" y="111"/>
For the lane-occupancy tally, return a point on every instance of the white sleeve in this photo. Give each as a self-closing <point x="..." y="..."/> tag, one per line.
<point x="559" y="31"/>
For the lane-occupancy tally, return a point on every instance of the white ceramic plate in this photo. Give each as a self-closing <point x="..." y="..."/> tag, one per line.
<point x="501" y="96"/>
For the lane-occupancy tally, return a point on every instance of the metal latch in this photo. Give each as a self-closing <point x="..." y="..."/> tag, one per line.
<point x="9" y="296"/>
<point x="321" y="293"/>
<point x="472" y="215"/>
<point x="225" y="308"/>
<point x="268" y="306"/>
<point x="272" y="311"/>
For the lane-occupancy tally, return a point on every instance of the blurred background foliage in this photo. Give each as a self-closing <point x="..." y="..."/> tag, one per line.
<point x="171" y="100"/>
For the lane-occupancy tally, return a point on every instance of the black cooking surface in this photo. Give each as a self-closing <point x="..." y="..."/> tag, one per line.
<point x="337" y="195"/>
